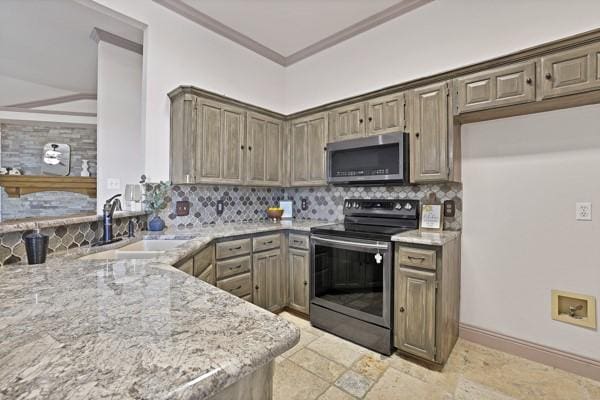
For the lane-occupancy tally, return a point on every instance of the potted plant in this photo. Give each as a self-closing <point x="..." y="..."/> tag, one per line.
<point x="156" y="200"/>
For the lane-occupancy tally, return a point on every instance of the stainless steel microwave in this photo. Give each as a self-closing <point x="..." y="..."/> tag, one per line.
<point x="381" y="159"/>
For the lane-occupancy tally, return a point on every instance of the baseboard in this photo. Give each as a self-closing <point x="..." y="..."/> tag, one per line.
<point x="588" y="367"/>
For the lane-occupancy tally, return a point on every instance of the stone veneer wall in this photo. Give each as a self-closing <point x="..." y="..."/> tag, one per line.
<point x="245" y="204"/>
<point x="62" y="238"/>
<point x="21" y="147"/>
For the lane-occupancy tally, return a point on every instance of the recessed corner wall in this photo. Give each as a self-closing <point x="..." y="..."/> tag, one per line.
<point x="521" y="179"/>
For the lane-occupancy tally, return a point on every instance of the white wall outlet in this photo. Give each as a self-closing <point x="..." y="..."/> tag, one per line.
<point x="113" y="183"/>
<point x="583" y="211"/>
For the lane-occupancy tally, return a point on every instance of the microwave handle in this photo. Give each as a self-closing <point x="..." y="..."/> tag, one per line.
<point x="348" y="243"/>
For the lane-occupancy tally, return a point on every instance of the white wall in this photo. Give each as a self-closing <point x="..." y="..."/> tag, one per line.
<point x="180" y="52"/>
<point x="439" y="36"/>
<point x="14" y="91"/>
<point x="521" y="179"/>
<point x="120" y="135"/>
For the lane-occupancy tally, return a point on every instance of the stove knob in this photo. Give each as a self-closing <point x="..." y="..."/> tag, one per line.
<point x="398" y="206"/>
<point x="408" y="206"/>
<point x="356" y="205"/>
<point x="348" y="204"/>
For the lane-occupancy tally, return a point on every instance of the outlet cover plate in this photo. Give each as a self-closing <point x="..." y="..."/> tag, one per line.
<point x="182" y="208"/>
<point x="583" y="211"/>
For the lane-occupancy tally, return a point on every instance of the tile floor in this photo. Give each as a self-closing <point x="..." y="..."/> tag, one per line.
<point x="324" y="367"/>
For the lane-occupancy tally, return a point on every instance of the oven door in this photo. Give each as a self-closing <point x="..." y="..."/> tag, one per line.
<point x="353" y="277"/>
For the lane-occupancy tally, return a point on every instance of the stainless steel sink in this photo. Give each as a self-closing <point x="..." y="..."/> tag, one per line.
<point x="143" y="249"/>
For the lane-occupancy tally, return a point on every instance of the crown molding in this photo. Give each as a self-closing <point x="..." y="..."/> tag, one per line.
<point x="55" y="100"/>
<point x="98" y="35"/>
<point x="34" y="111"/>
<point x="202" y="19"/>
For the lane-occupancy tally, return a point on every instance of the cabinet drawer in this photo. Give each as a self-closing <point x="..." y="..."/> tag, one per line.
<point x="417" y="257"/>
<point x="233" y="248"/>
<point x="208" y="275"/>
<point x="240" y="285"/>
<point x="298" y="241"/>
<point x="202" y="260"/>
<point x="232" y="267"/>
<point x="267" y="242"/>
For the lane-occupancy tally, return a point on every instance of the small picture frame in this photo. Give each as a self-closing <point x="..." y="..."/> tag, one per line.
<point x="432" y="218"/>
<point x="287" y="206"/>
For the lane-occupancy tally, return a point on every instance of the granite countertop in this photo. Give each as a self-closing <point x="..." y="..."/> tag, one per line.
<point x="75" y="328"/>
<point x="127" y="329"/>
<point x="426" y="238"/>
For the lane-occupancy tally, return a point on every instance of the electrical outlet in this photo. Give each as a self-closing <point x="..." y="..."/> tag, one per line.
<point x="220" y="207"/>
<point x="182" y="208"/>
<point x="304" y="203"/>
<point x="583" y="211"/>
<point x="113" y="183"/>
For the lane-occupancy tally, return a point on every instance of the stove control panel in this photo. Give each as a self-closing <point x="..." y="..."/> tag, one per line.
<point x="382" y="207"/>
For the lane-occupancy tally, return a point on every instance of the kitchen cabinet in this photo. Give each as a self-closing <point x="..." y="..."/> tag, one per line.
<point x="571" y="71"/>
<point x="429" y="133"/>
<point x="415" y="316"/>
<point x="204" y="265"/>
<point x="514" y="84"/>
<point x="233" y="269"/>
<point x="267" y="280"/>
<point x="264" y="149"/>
<point x="347" y="122"/>
<point x="308" y="150"/>
<point x="299" y="268"/>
<point x="427" y="299"/>
<point x="386" y="114"/>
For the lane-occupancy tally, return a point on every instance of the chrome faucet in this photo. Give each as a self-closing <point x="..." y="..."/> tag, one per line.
<point x="113" y="204"/>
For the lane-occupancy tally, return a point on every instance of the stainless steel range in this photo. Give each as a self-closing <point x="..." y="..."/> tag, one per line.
<point x="351" y="283"/>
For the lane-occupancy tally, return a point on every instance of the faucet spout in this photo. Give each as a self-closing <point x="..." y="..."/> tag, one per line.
<point x="110" y="206"/>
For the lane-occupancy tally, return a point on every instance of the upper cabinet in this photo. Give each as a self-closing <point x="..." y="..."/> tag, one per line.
<point x="308" y="141"/>
<point x="264" y="143"/>
<point x="386" y="114"/>
<point x="498" y="87"/>
<point x="347" y="122"/>
<point x="429" y="133"/>
<point x="183" y="139"/>
<point x="571" y="71"/>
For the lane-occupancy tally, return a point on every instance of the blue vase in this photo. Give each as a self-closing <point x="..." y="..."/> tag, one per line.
<point x="156" y="224"/>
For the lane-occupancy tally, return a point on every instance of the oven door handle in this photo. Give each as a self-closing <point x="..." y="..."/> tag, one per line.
<point x="347" y="243"/>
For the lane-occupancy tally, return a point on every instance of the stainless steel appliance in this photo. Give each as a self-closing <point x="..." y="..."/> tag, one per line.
<point x="370" y="160"/>
<point x="351" y="285"/>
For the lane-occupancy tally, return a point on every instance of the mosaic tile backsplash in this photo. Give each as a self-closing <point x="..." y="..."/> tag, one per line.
<point x="323" y="203"/>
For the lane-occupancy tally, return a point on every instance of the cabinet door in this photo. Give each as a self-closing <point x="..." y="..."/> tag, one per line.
<point x="504" y="86"/>
<point x="347" y="122"/>
<point x="233" y="135"/>
<point x="414" y="312"/>
<point x="264" y="149"/>
<point x="183" y="139"/>
<point x="386" y="115"/>
<point x="299" y="274"/>
<point x="429" y="133"/>
<point x="208" y="143"/>
<point x="266" y="279"/>
<point x="571" y="71"/>
<point x="307" y="150"/>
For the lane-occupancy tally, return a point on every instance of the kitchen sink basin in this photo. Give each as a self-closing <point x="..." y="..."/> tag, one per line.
<point x="143" y="249"/>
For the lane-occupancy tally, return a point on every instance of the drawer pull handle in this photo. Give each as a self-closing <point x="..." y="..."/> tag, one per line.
<point x="416" y="258"/>
<point x="236" y="267"/>
<point x="269" y="242"/>
<point x="237" y="288"/>
<point x="297" y="241"/>
<point x="235" y="248"/>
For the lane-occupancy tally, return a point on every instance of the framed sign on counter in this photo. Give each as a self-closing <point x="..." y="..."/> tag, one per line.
<point x="432" y="218"/>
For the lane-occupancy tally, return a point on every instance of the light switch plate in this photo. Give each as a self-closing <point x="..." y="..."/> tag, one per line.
<point x="583" y="211"/>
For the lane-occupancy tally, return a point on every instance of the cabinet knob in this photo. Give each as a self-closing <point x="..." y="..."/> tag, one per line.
<point x="370" y="119"/>
<point x="529" y="81"/>
<point x="548" y="76"/>
<point x="249" y="148"/>
<point x="324" y="148"/>
<point x="242" y="147"/>
<point x="401" y="309"/>
<point x="256" y="287"/>
<point x="305" y="283"/>
<point x="360" y="120"/>
<point x="417" y="134"/>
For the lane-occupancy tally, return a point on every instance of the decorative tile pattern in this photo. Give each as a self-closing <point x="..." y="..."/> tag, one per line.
<point x="22" y="148"/>
<point x="62" y="238"/>
<point x="243" y="204"/>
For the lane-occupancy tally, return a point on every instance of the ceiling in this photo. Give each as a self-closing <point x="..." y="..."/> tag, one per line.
<point x="287" y="31"/>
<point x="47" y="42"/>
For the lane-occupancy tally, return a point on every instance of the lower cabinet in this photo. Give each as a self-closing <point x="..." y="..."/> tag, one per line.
<point x="427" y="299"/>
<point x="299" y="268"/>
<point x="204" y="265"/>
<point x="267" y="280"/>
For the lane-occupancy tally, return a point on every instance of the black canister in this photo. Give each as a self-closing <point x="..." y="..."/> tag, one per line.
<point x="36" y="245"/>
